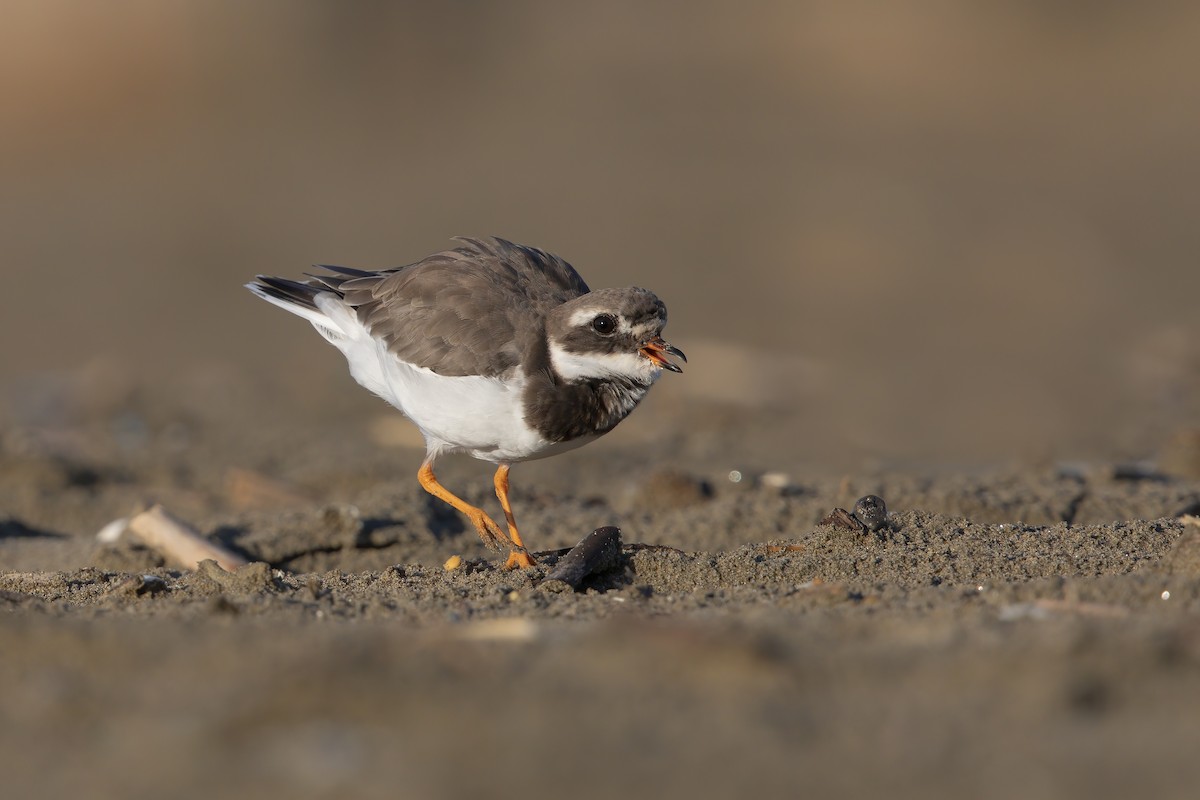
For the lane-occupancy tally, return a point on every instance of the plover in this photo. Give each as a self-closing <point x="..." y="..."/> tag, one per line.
<point x="493" y="349"/>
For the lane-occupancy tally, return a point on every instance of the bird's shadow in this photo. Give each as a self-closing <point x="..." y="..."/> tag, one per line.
<point x="370" y="533"/>
<point x="443" y="522"/>
<point x="12" y="529"/>
<point x="228" y="536"/>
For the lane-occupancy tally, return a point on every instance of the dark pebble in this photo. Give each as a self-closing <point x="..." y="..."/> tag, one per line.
<point x="871" y="511"/>
<point x="597" y="552"/>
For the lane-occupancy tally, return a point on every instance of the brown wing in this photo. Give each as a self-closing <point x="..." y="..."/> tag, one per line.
<point x="471" y="310"/>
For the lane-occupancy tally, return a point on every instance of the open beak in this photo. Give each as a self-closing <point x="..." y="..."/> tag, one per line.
<point x="657" y="351"/>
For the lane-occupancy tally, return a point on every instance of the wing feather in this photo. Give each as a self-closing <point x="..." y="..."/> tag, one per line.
<point x="471" y="310"/>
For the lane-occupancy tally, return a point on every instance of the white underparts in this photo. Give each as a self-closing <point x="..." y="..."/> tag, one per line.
<point x="484" y="417"/>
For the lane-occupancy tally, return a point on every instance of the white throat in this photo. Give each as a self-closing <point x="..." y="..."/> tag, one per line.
<point x="633" y="367"/>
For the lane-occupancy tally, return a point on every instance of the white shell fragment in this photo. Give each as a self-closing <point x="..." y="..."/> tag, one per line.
<point x="113" y="531"/>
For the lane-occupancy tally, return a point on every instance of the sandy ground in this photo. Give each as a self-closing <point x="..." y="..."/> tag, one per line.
<point x="1031" y="631"/>
<point x="940" y="253"/>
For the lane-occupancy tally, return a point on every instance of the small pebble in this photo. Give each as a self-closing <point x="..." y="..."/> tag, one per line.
<point x="871" y="511"/>
<point x="452" y="563"/>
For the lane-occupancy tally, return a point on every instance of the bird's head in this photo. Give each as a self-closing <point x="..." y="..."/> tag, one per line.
<point x="611" y="334"/>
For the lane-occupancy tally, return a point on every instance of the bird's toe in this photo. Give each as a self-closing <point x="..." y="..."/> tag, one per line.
<point x="519" y="559"/>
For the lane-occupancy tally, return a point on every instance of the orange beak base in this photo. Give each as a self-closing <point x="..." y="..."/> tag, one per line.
<point x="657" y="351"/>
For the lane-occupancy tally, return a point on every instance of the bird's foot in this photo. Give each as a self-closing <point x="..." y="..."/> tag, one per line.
<point x="519" y="559"/>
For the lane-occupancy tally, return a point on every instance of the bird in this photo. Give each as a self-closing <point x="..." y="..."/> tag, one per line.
<point x="493" y="349"/>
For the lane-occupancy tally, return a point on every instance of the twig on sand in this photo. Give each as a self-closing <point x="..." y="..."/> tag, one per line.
<point x="179" y="542"/>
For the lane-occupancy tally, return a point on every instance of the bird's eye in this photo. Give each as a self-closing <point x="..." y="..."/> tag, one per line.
<point x="604" y="324"/>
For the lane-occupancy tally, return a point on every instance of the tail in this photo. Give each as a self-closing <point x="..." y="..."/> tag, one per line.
<point x="310" y="299"/>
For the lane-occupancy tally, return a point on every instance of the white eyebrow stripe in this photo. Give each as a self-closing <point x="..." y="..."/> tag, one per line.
<point x="583" y="317"/>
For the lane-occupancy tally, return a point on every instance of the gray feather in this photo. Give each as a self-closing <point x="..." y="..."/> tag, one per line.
<point x="470" y="310"/>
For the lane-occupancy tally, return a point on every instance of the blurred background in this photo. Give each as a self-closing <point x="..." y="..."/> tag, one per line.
<point x="900" y="232"/>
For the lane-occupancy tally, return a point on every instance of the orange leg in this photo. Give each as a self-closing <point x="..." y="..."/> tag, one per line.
<point x="488" y="530"/>
<point x="519" y="557"/>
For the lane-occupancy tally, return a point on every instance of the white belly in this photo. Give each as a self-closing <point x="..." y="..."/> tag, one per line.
<point x="481" y="416"/>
